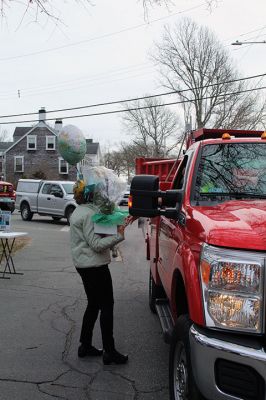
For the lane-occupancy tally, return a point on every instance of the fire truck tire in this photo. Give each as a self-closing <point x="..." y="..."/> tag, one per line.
<point x="182" y="385"/>
<point x="154" y="293"/>
<point x="26" y="213"/>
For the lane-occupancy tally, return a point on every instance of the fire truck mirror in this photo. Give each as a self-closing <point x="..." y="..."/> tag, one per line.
<point x="144" y="191"/>
<point x="171" y="213"/>
<point x="171" y="198"/>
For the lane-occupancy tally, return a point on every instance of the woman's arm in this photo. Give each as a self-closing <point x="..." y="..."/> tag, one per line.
<point x="98" y="243"/>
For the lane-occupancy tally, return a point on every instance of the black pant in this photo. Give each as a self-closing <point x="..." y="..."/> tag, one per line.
<point x="98" y="286"/>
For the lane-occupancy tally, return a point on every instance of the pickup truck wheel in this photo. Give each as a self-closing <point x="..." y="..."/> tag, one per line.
<point x="26" y="213"/>
<point x="182" y="385"/>
<point x="154" y="293"/>
<point x="69" y="212"/>
<point x="56" y="218"/>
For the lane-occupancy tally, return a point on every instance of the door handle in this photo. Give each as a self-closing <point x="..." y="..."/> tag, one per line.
<point x="48" y="198"/>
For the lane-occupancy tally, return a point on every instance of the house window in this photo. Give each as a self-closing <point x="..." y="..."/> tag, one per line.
<point x="50" y="142"/>
<point x="87" y="161"/>
<point x="31" y="142"/>
<point x="63" y="166"/>
<point x="19" y="164"/>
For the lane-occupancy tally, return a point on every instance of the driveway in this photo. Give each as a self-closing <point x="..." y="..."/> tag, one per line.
<point x="41" y="313"/>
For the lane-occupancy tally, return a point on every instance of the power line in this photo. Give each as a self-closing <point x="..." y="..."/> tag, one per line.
<point x="246" y="33"/>
<point x="138" y="108"/>
<point x="82" y="84"/>
<point x="93" y="77"/>
<point x="136" y="98"/>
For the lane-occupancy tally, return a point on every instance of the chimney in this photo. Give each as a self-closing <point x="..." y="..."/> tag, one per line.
<point x="58" y="125"/>
<point x="42" y="114"/>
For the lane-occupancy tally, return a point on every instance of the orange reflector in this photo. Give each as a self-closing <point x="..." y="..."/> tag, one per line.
<point x="129" y="202"/>
<point x="263" y="136"/>
<point x="226" y="136"/>
<point x="205" y="271"/>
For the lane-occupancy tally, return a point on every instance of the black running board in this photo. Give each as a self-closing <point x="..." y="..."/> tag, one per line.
<point x="166" y="320"/>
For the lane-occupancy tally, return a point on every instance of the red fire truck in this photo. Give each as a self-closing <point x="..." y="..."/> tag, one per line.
<point x="206" y="242"/>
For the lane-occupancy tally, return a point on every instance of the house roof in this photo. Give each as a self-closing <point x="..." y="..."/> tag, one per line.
<point x="5" y="145"/>
<point x="92" y="148"/>
<point x="21" y="130"/>
<point x="24" y="131"/>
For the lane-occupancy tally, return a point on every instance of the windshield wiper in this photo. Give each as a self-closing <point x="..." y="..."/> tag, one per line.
<point x="238" y="195"/>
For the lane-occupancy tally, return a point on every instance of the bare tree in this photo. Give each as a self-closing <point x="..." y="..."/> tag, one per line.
<point x="129" y="152"/>
<point x="194" y="64"/>
<point x="4" y="135"/>
<point x="38" y="6"/>
<point x="46" y="6"/>
<point x="153" y="127"/>
<point x="122" y="160"/>
<point x="114" y="161"/>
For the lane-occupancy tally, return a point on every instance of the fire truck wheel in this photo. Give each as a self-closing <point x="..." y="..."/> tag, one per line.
<point x="154" y="293"/>
<point x="181" y="381"/>
<point x="26" y="213"/>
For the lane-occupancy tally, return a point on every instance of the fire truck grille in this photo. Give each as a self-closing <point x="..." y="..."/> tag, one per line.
<point x="239" y="380"/>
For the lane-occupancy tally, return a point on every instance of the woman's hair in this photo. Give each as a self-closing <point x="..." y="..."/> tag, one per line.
<point x="81" y="195"/>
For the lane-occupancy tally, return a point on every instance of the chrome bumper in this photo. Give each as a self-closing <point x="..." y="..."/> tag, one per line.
<point x="205" y="351"/>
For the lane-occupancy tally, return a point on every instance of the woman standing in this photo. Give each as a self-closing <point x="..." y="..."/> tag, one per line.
<point x="91" y="256"/>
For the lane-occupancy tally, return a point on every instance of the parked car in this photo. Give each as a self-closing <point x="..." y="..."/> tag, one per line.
<point x="54" y="198"/>
<point x="124" y="199"/>
<point x="7" y="196"/>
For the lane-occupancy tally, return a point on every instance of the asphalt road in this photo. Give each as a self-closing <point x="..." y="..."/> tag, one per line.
<point x="41" y="314"/>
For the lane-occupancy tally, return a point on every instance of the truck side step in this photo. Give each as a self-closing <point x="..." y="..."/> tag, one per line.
<point x="166" y="320"/>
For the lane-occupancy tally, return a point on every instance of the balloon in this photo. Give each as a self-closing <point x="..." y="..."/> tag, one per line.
<point x="72" y="144"/>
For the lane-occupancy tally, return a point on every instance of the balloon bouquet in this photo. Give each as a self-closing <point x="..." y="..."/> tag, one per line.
<point x="106" y="186"/>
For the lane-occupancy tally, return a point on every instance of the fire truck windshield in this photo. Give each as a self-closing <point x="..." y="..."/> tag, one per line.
<point x="234" y="170"/>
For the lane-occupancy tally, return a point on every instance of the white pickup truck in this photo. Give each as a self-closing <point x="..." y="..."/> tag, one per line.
<point x="43" y="197"/>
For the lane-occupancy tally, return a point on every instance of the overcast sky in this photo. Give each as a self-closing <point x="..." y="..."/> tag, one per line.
<point x="100" y="53"/>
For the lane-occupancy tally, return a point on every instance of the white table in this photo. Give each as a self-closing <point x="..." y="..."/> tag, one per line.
<point x="7" y="240"/>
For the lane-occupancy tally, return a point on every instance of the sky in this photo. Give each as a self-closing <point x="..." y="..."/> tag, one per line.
<point x="99" y="52"/>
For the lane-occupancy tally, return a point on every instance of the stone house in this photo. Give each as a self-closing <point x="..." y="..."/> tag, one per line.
<point x="33" y="154"/>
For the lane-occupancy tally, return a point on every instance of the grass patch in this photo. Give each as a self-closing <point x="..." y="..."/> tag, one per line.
<point x="19" y="244"/>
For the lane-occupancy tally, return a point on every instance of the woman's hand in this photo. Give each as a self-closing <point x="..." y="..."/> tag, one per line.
<point x="121" y="230"/>
<point x="129" y="220"/>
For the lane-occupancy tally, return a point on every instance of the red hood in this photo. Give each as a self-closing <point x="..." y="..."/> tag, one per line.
<point x="5" y="183"/>
<point x="236" y="224"/>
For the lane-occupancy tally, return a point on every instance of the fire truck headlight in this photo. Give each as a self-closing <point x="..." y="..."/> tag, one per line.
<point x="232" y="289"/>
